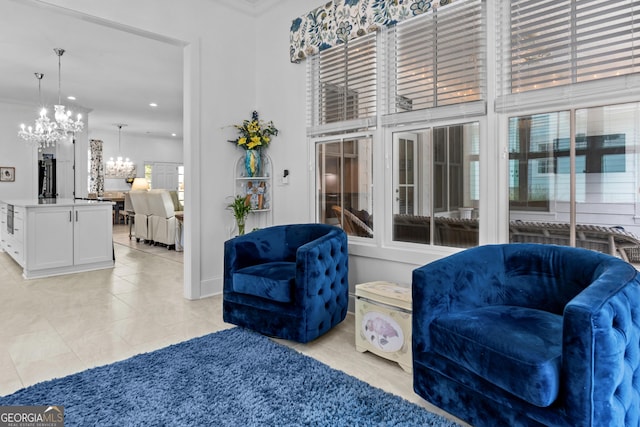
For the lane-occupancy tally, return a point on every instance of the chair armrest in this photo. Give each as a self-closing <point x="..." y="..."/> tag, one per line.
<point x="322" y="269"/>
<point x="601" y="348"/>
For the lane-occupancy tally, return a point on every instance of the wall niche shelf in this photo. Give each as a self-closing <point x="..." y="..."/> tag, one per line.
<point x="257" y="190"/>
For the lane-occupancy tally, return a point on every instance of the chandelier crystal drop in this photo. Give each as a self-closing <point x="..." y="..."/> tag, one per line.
<point x="45" y="133"/>
<point x="63" y="118"/>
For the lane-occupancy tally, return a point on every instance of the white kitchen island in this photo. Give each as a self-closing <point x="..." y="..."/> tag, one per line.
<point x="48" y="237"/>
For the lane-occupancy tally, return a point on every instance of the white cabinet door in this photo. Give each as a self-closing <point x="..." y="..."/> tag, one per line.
<point x="93" y="239"/>
<point x="49" y="238"/>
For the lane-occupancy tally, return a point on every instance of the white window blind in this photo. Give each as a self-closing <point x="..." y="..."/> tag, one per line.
<point x="550" y="43"/>
<point x="439" y="58"/>
<point x="342" y="83"/>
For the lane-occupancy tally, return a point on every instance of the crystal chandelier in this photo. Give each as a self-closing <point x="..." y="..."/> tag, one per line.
<point x="63" y="118"/>
<point x="45" y="133"/>
<point x="120" y="168"/>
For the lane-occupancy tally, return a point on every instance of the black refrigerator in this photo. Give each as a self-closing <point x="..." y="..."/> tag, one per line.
<point x="47" y="178"/>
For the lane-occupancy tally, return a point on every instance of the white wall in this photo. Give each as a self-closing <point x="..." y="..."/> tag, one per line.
<point x="14" y="152"/>
<point x="281" y="97"/>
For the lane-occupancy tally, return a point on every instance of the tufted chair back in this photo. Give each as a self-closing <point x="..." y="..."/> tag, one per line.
<point x="289" y="281"/>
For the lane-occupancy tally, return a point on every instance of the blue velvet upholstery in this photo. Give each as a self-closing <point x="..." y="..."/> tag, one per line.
<point x="529" y="335"/>
<point x="287" y="281"/>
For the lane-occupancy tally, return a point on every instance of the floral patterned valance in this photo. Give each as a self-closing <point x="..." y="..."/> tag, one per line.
<point x="341" y="20"/>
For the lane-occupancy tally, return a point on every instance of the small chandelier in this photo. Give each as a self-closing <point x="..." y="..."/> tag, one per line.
<point x="63" y="118"/>
<point x="45" y="133"/>
<point x="120" y="168"/>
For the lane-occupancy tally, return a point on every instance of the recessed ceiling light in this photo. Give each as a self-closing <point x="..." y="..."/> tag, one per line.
<point x="71" y="98"/>
<point x="173" y="134"/>
<point x="153" y="104"/>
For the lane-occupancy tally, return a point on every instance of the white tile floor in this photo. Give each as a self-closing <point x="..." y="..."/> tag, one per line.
<point x="57" y="326"/>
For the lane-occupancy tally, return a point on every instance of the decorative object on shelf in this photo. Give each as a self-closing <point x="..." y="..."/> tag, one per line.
<point x="7" y="174"/>
<point x="255" y="135"/>
<point x="45" y="133"/>
<point x="120" y="168"/>
<point x="241" y="210"/>
<point x="255" y="194"/>
<point x="63" y="118"/>
<point x="252" y="162"/>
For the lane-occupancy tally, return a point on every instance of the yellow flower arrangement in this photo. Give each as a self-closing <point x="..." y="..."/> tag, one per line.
<point x="254" y="133"/>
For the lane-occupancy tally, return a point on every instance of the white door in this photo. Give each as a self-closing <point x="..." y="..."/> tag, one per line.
<point x="405" y="173"/>
<point x="165" y="175"/>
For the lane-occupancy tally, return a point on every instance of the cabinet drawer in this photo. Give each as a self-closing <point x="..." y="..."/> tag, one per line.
<point x="15" y="249"/>
<point x="18" y="229"/>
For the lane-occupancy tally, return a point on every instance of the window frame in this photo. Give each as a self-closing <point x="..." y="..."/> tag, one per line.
<point x="389" y="178"/>
<point x="314" y="184"/>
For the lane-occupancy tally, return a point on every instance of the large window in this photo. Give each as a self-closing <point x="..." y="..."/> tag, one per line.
<point x="430" y="65"/>
<point x="436" y="185"/>
<point x="344" y="182"/>
<point x="605" y="194"/>
<point x="343" y="99"/>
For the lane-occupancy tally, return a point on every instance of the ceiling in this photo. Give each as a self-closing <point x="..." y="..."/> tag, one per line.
<point x="114" y="73"/>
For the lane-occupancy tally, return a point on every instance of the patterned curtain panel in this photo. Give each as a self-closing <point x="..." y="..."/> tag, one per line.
<point x="96" y="168"/>
<point x="339" y="21"/>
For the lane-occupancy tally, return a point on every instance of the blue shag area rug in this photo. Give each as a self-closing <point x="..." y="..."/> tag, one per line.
<point x="230" y="378"/>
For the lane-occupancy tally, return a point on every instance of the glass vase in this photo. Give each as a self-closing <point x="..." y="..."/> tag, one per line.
<point x="252" y="162"/>
<point x="240" y="223"/>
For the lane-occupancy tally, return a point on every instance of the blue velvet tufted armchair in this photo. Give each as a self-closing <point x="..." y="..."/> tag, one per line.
<point x="287" y="281"/>
<point x="529" y="335"/>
